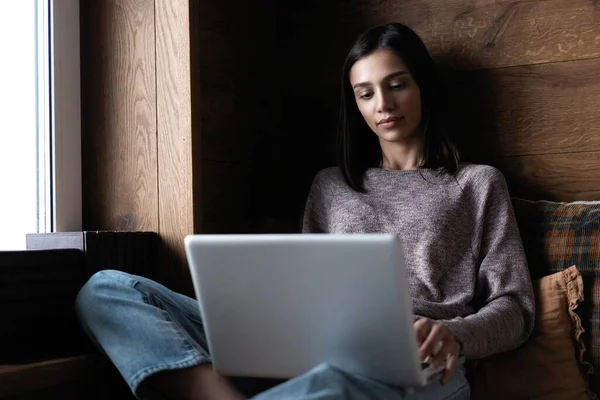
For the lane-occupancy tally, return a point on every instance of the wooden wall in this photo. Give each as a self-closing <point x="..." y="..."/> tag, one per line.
<point x="205" y="116"/>
<point x="119" y="132"/>
<point x="177" y="98"/>
<point x="137" y="141"/>
<point x="526" y="76"/>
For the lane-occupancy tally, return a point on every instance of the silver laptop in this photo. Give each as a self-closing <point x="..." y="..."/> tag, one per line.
<point x="275" y="306"/>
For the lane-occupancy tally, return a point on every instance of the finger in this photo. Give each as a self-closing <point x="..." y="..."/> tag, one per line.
<point x="450" y="347"/>
<point x="451" y="364"/>
<point x="437" y="333"/>
<point x="439" y="359"/>
<point x="450" y="350"/>
<point x="438" y="347"/>
<point x="422" y="328"/>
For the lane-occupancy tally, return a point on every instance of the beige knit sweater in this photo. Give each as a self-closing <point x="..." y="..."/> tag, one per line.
<point x="465" y="259"/>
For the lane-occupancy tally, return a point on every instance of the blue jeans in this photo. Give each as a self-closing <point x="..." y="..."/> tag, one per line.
<point x="144" y="328"/>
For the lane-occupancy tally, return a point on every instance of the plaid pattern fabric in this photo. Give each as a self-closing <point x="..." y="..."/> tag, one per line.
<point x="557" y="236"/>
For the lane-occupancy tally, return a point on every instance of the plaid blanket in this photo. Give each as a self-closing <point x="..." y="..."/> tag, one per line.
<point x="557" y="236"/>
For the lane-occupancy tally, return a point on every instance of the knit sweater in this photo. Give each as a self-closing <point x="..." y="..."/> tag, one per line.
<point x="465" y="261"/>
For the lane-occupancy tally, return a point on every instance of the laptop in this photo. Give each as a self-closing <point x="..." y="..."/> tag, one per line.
<point x="275" y="306"/>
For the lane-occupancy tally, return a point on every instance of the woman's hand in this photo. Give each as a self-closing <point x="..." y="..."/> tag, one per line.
<point x="437" y="346"/>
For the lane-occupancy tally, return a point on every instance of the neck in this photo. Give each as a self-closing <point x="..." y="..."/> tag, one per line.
<point x="401" y="155"/>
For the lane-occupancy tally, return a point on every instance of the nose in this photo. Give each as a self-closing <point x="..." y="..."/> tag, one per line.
<point x="385" y="101"/>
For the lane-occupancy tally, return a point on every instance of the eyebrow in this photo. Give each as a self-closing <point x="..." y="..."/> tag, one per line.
<point x="390" y="76"/>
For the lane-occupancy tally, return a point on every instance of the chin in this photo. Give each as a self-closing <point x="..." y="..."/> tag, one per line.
<point x="395" y="136"/>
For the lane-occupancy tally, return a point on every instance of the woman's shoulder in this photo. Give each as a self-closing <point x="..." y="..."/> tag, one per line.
<point x="328" y="176"/>
<point x="479" y="174"/>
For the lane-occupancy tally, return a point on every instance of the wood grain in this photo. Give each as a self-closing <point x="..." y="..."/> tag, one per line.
<point x="558" y="177"/>
<point x="119" y="115"/>
<point x="536" y="109"/>
<point x="486" y="34"/>
<point x="175" y="139"/>
<point x="470" y="34"/>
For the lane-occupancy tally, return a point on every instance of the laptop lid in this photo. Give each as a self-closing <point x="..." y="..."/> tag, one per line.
<point x="275" y="306"/>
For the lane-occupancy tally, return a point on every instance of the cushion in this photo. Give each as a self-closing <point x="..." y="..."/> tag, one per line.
<point x="546" y="366"/>
<point x="556" y="236"/>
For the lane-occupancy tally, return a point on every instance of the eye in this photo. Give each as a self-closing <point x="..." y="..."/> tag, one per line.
<point x="398" y="86"/>
<point x="365" y="95"/>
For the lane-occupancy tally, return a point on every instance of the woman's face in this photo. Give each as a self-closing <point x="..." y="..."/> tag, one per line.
<point x="387" y="96"/>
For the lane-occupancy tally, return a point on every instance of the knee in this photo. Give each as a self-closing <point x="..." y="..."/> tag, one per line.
<point x="95" y="295"/>
<point x="328" y="371"/>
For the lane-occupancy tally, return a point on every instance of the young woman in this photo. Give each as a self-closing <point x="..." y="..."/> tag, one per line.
<point x="397" y="172"/>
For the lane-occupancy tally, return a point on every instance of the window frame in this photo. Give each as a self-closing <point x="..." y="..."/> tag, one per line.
<point x="65" y="116"/>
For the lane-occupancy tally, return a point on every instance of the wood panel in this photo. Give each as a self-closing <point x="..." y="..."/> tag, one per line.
<point x="557" y="177"/>
<point x="536" y="109"/>
<point x="484" y="33"/>
<point x="119" y="115"/>
<point x="471" y="34"/>
<point x="175" y="139"/>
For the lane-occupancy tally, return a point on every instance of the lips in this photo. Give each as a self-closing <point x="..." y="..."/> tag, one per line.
<point x="388" y="120"/>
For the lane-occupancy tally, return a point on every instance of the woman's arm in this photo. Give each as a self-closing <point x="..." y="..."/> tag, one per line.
<point x="504" y="294"/>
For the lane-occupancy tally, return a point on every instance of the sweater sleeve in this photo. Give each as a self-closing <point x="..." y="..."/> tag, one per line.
<point x="315" y="212"/>
<point x="504" y="297"/>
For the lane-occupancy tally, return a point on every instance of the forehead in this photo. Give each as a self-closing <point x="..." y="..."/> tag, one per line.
<point x="376" y="66"/>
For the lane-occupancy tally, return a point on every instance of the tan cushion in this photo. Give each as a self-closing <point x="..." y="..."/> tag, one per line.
<point x="547" y="365"/>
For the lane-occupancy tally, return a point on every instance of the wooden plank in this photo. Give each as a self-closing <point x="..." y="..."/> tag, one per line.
<point x="119" y="115"/>
<point x="23" y="378"/>
<point x="175" y="136"/>
<point x="89" y="376"/>
<point x="556" y="177"/>
<point x="479" y="33"/>
<point x="538" y="109"/>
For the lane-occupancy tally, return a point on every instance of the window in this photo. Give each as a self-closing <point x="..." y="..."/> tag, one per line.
<point x="40" y="122"/>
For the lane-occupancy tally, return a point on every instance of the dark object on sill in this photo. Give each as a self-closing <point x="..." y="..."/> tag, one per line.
<point x="132" y="252"/>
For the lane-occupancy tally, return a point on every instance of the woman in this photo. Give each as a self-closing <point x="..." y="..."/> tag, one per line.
<point x="397" y="172"/>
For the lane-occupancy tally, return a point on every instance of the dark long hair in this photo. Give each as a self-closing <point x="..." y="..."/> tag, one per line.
<point x="357" y="146"/>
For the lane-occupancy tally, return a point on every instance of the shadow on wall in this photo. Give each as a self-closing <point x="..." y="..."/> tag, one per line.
<point x="286" y="164"/>
<point x="472" y="111"/>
